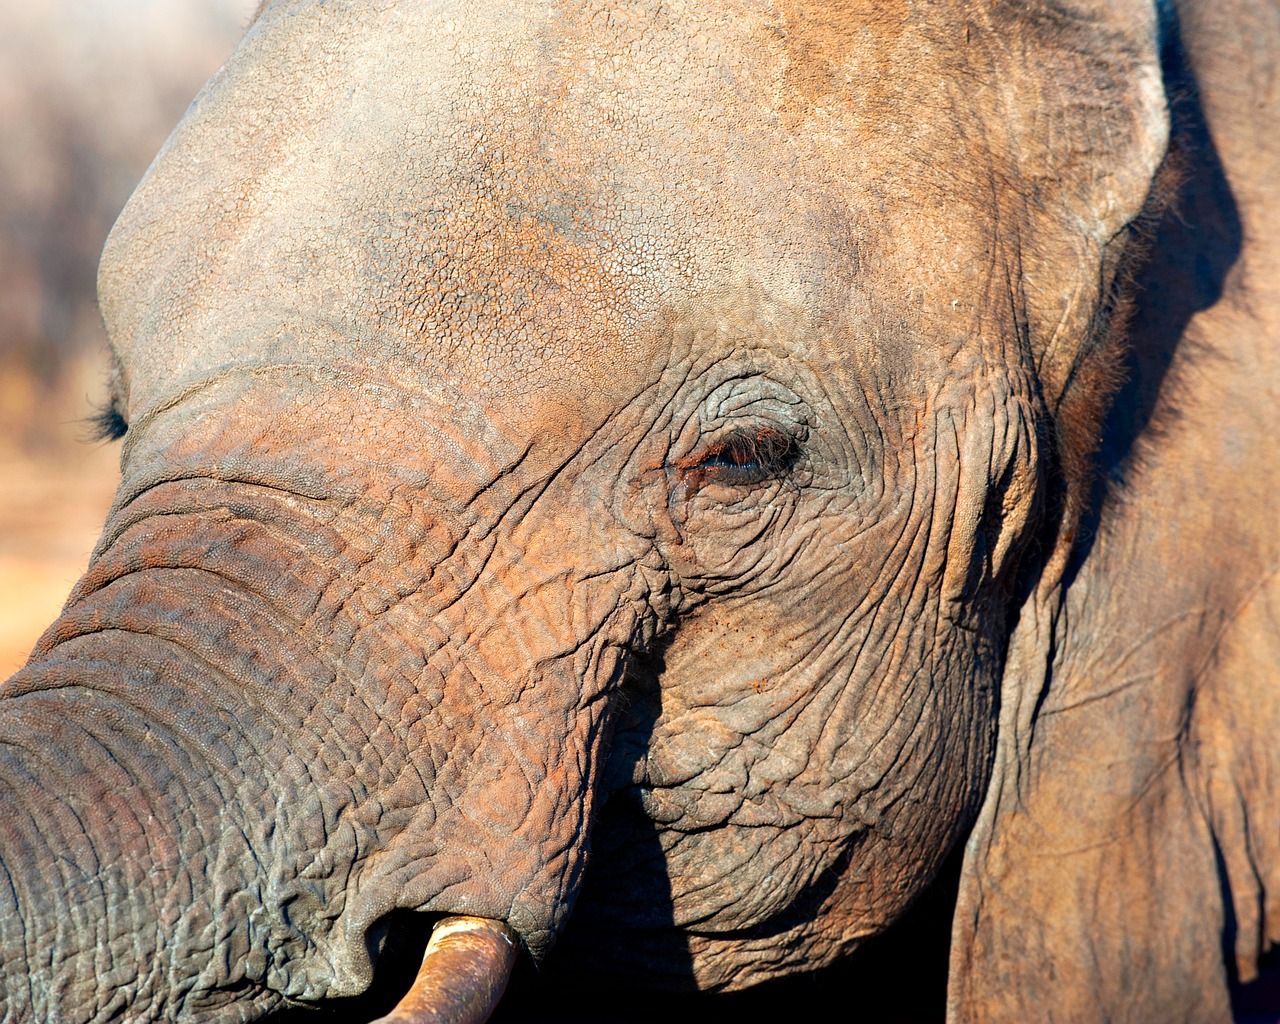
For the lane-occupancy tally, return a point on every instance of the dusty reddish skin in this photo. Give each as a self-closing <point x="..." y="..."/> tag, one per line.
<point x="629" y="470"/>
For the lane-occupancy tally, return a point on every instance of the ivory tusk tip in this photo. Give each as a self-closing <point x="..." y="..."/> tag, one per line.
<point x="463" y="974"/>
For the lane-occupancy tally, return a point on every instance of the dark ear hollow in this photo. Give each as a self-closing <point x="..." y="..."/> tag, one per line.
<point x="1090" y="127"/>
<point x="1098" y="371"/>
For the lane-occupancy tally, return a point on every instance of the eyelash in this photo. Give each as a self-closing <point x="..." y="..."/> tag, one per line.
<point x="743" y="458"/>
<point x="107" y="424"/>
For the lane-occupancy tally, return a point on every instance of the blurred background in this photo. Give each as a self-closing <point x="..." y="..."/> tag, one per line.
<point x="89" y="89"/>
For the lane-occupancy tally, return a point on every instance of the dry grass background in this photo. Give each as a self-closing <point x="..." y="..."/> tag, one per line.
<point x="88" y="91"/>
<point x="56" y="490"/>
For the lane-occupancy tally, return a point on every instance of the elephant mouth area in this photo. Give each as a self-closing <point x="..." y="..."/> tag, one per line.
<point x="633" y="919"/>
<point x="412" y="980"/>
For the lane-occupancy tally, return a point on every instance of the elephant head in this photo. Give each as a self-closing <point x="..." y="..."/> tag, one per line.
<point x="583" y="468"/>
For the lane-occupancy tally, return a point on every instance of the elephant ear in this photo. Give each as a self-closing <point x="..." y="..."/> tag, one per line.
<point x="1088" y="132"/>
<point x="1089" y="890"/>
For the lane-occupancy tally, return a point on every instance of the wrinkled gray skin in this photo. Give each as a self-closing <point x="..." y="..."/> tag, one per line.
<point x="636" y="454"/>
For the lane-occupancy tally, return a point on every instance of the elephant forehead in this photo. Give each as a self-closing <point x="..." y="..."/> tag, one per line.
<point x="520" y="194"/>
<point x="591" y="167"/>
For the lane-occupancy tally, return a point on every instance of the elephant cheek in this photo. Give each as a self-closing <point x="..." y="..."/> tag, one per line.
<point x="803" y="831"/>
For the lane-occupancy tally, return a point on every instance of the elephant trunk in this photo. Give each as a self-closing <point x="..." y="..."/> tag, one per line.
<point x="90" y="860"/>
<point x="278" y="709"/>
<point x="97" y="905"/>
<point x="157" y="823"/>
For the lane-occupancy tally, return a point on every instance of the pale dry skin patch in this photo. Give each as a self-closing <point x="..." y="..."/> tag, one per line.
<point x="56" y="493"/>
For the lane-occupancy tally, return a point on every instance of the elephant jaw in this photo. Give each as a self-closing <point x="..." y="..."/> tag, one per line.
<point x="463" y="975"/>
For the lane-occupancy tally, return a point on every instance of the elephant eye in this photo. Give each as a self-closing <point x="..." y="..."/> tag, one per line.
<point x="746" y="456"/>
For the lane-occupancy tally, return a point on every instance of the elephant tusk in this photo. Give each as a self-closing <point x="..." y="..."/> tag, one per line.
<point x="463" y="974"/>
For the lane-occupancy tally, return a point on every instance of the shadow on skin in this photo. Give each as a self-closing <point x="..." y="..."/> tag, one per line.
<point x="899" y="977"/>
<point x="395" y="967"/>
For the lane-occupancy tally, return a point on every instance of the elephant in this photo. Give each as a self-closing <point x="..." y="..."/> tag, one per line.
<point x="665" y="480"/>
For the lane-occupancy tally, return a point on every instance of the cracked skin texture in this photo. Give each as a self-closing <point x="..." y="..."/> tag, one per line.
<point x="451" y="570"/>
